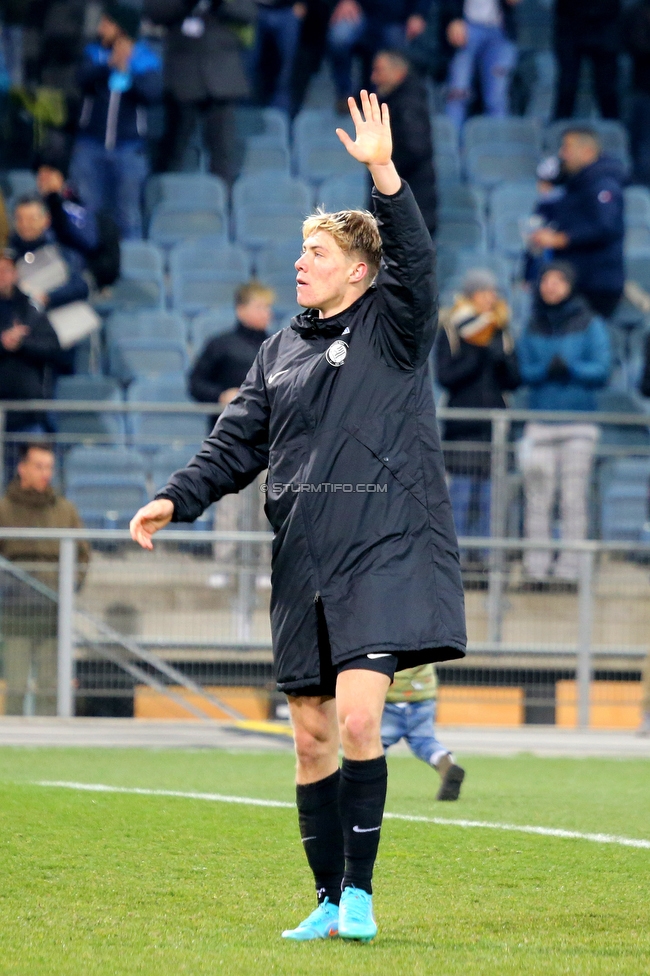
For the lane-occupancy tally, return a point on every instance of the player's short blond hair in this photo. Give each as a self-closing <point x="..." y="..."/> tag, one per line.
<point x="355" y="232"/>
<point x="252" y="290"/>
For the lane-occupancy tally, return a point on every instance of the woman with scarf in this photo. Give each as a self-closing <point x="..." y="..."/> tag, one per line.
<point x="564" y="357"/>
<point x="476" y="364"/>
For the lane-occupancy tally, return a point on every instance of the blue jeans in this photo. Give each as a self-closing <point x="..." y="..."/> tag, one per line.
<point x="347" y="35"/>
<point x="493" y="55"/>
<point x="112" y="178"/>
<point x="413" y="721"/>
<point x="283" y="28"/>
<point x="470" y="500"/>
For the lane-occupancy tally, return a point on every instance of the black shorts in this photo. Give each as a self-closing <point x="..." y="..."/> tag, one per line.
<point x="381" y="663"/>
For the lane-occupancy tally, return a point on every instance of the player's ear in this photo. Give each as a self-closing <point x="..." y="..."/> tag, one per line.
<point x="358" y="272"/>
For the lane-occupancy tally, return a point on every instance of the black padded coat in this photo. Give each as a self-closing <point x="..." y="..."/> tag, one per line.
<point x="341" y="411"/>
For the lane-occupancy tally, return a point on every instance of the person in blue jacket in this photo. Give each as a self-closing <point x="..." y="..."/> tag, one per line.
<point x="564" y="357"/>
<point x="585" y="225"/>
<point x="119" y="77"/>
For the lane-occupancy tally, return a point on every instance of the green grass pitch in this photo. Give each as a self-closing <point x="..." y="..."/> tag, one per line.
<point x="110" y="884"/>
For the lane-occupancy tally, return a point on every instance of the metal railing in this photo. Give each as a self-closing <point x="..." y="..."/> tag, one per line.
<point x="599" y="627"/>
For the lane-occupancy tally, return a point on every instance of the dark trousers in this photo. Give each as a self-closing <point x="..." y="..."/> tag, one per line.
<point x="217" y="120"/>
<point x="570" y="54"/>
<point x="640" y="136"/>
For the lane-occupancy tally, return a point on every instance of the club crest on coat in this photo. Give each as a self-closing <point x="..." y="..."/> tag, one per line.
<point x="336" y="353"/>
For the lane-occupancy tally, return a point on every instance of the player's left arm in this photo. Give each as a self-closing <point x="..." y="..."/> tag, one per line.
<point x="406" y="283"/>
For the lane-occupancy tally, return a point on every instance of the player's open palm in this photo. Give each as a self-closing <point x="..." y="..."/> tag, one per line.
<point x="373" y="144"/>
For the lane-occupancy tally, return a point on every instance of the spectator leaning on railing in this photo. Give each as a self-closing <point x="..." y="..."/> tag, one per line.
<point x="564" y="356"/>
<point x="476" y="364"/>
<point x="29" y="621"/>
<point x="585" y="224"/>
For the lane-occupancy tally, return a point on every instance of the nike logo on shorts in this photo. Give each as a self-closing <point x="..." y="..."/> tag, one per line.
<point x="365" y="830"/>
<point x="373" y="657"/>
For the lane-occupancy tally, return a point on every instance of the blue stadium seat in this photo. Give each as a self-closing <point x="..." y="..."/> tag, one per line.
<point x="514" y="131"/>
<point x="210" y="324"/>
<point x="204" y="277"/>
<point x="506" y="234"/>
<point x="350" y="192"/>
<point x="624" y="484"/>
<point x="21" y="183"/>
<point x="133" y="358"/>
<point x="141" y="283"/>
<point x="193" y="188"/>
<point x="518" y="198"/>
<point x="466" y="260"/>
<point x="319" y="153"/>
<point x="459" y="198"/>
<point x="637" y="267"/>
<point x="444" y="133"/>
<point x="265" y="152"/>
<point x="637" y="234"/>
<point x="613" y="136"/>
<point x="176" y="221"/>
<point x="637" y="202"/>
<point x="171" y="459"/>
<point x="251" y="120"/>
<point x="146" y="325"/>
<point x="268" y="208"/>
<point x="107" y="485"/>
<point x="151" y="431"/>
<point x="494" y="163"/>
<point x="460" y="231"/>
<point x="446" y="163"/>
<point x="275" y="267"/>
<point x="108" y="427"/>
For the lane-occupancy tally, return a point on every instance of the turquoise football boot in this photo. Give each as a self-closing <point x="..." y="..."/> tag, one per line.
<point x="356" y="920"/>
<point x="323" y="923"/>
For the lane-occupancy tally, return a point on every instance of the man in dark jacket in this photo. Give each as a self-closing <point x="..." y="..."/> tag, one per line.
<point x="33" y="233"/>
<point x="366" y="575"/>
<point x="587" y="29"/>
<point x="204" y="74"/>
<point x="407" y="100"/>
<point x="29" y="350"/>
<point x="636" y="38"/>
<point x="119" y="77"/>
<point x="366" y="26"/>
<point x="585" y="225"/>
<point x="482" y="34"/>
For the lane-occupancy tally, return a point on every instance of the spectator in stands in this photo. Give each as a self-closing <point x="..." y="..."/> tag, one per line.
<point x="29" y="620"/>
<point x="476" y="364"/>
<point x="119" y="77"/>
<point x="311" y="49"/>
<point x="636" y="37"/>
<point x="585" y="225"/>
<point x="40" y="255"/>
<point x="29" y="350"/>
<point x="216" y="377"/>
<point x="482" y="33"/>
<point x="407" y="100"/>
<point x="587" y="30"/>
<point x="365" y="27"/>
<point x="564" y="356"/>
<point x="94" y="235"/>
<point x="278" y="23"/>
<point x="5" y="226"/>
<point x="204" y="75"/>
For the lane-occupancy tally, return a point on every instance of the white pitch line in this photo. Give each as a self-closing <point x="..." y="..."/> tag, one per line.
<point x="440" y="821"/>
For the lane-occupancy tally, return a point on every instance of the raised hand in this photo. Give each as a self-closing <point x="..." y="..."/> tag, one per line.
<point x="374" y="143"/>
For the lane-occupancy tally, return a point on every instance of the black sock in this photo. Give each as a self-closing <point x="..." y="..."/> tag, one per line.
<point x="322" y="837"/>
<point x="362" y="796"/>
